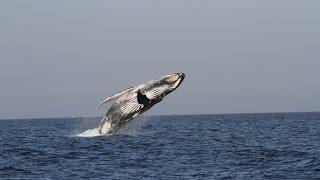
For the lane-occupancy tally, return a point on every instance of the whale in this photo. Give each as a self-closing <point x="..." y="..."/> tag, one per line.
<point x="131" y="102"/>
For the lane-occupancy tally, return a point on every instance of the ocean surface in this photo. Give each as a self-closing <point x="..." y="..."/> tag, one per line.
<point x="235" y="146"/>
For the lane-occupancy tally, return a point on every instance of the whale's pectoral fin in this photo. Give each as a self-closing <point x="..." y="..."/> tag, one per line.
<point x="142" y="99"/>
<point x="114" y="96"/>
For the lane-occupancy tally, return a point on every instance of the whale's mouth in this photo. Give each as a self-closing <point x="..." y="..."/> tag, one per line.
<point x="181" y="77"/>
<point x="178" y="77"/>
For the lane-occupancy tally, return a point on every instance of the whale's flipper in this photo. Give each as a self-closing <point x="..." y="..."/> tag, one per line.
<point x="118" y="95"/>
<point x="143" y="99"/>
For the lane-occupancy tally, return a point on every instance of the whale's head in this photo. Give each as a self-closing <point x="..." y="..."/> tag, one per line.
<point x="164" y="85"/>
<point x="173" y="81"/>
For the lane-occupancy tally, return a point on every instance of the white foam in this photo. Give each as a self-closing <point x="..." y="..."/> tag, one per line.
<point x="90" y="133"/>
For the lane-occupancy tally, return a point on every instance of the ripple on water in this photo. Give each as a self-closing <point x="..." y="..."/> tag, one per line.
<point x="248" y="146"/>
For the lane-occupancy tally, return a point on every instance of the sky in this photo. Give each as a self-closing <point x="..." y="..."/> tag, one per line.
<point x="60" y="58"/>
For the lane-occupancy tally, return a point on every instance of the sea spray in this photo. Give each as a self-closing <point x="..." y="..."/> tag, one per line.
<point x="94" y="132"/>
<point x="88" y="127"/>
<point x="135" y="127"/>
<point x="90" y="133"/>
<point x="84" y="125"/>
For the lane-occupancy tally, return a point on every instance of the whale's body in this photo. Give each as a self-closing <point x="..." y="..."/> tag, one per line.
<point x="133" y="101"/>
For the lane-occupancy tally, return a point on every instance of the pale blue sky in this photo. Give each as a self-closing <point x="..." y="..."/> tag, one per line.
<point x="59" y="58"/>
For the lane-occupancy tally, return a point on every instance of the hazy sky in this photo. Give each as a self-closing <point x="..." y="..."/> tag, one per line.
<point x="59" y="58"/>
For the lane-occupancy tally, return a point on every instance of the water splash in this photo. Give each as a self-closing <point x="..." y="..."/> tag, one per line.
<point x="95" y="131"/>
<point x="90" y="133"/>
<point x="86" y="127"/>
<point x="133" y="128"/>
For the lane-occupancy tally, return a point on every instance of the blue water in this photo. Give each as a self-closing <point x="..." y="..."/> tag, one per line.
<point x="239" y="146"/>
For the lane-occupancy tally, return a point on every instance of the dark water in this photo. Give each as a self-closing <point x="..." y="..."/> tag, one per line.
<point x="247" y="146"/>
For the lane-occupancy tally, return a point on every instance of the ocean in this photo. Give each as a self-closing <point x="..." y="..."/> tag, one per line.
<point x="231" y="146"/>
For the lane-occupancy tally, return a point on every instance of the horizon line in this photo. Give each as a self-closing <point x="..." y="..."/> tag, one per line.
<point x="203" y="114"/>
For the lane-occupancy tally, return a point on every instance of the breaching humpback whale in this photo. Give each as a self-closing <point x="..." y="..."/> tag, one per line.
<point x="133" y="101"/>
